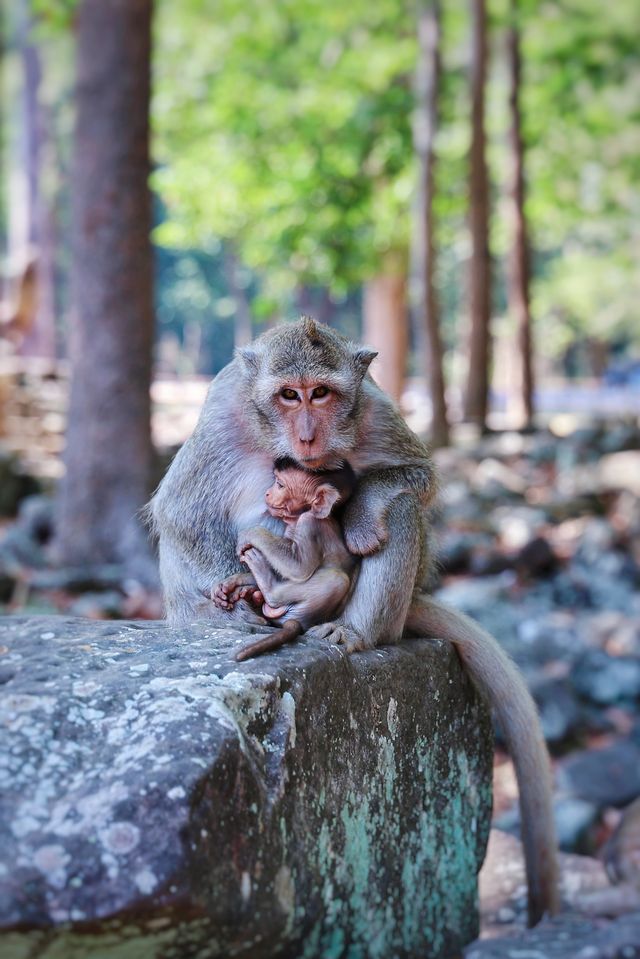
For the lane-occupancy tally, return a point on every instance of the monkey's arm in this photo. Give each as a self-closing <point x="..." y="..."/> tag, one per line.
<point x="390" y="461"/>
<point x="294" y="559"/>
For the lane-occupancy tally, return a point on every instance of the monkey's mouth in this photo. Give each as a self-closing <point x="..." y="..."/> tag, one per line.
<point x="312" y="462"/>
<point x="286" y="515"/>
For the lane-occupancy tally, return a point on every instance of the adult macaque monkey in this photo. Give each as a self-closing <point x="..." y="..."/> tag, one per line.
<point x="302" y="391"/>
<point x="302" y="578"/>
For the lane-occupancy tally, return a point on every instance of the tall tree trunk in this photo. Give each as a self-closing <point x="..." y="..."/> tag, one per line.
<point x="424" y="296"/>
<point x="39" y="338"/>
<point x="316" y="302"/>
<point x="519" y="254"/>
<point x="476" y="400"/>
<point x="385" y="327"/>
<point x="108" y="452"/>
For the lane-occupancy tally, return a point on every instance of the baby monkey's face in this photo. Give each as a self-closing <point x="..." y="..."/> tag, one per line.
<point x="295" y="492"/>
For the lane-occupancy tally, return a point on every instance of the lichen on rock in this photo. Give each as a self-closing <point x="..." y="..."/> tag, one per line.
<point x="306" y="803"/>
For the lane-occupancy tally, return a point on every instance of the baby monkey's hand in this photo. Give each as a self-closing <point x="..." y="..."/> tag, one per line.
<point x="225" y="595"/>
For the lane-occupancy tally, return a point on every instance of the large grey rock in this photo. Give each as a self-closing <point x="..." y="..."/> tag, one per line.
<point x="161" y="800"/>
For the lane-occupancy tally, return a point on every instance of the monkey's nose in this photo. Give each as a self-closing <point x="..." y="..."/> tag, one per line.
<point x="306" y="429"/>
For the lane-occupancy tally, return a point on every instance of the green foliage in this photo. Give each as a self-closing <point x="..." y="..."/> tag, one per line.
<point x="283" y="128"/>
<point x="54" y="15"/>
<point x="289" y="132"/>
<point x="582" y="109"/>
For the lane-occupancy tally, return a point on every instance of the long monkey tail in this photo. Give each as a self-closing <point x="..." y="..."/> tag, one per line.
<point x="288" y="632"/>
<point x="500" y="682"/>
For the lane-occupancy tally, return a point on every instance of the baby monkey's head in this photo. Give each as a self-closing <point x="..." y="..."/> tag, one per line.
<point x="297" y="491"/>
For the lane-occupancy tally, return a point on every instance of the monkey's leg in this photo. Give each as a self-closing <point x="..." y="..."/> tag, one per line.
<point x="377" y="610"/>
<point x="187" y="585"/>
<point x="303" y="604"/>
<point x="319" y="599"/>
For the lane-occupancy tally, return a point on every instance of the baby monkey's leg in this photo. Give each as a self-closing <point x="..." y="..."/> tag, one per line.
<point x="269" y="585"/>
<point x="321" y="597"/>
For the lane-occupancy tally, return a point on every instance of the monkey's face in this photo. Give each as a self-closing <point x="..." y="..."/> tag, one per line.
<point x="308" y="414"/>
<point x="295" y="492"/>
<point x="305" y="384"/>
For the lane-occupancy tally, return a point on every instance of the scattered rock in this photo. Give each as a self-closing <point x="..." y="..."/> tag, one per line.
<point x="35" y="517"/>
<point x="622" y="851"/>
<point x="567" y="937"/>
<point x="605" y="777"/>
<point x="621" y="471"/>
<point x="536" y="558"/>
<point x="503" y="901"/>
<point x="15" y="485"/>
<point x="611" y="630"/>
<point x="560" y="711"/>
<point x="103" y="605"/>
<point x="494" y="481"/>
<point x="576" y="822"/>
<point x="606" y="679"/>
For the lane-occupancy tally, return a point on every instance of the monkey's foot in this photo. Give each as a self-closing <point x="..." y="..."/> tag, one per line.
<point x="339" y="635"/>
<point x="251" y="593"/>
<point x="221" y="596"/>
<point x="241" y="617"/>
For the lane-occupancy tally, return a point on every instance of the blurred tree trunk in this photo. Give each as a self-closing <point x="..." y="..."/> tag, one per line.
<point x="425" y="298"/>
<point x="518" y="283"/>
<point x="108" y="451"/>
<point x="476" y="399"/>
<point x="316" y="302"/>
<point x="38" y="330"/>
<point x="385" y="328"/>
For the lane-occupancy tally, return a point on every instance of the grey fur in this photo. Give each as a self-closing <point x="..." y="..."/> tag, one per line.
<point x="215" y="487"/>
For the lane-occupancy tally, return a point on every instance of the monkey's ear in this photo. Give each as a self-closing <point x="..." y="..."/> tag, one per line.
<point x="325" y="499"/>
<point x="249" y="358"/>
<point x="309" y="325"/>
<point x="363" y="358"/>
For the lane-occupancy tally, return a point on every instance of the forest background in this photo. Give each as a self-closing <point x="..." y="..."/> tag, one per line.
<point x="456" y="184"/>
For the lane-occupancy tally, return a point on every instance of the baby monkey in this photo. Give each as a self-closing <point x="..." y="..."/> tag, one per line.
<point x="304" y="577"/>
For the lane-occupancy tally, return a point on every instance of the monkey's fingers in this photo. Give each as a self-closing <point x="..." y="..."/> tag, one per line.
<point x="290" y="631"/>
<point x="251" y="593"/>
<point x="222" y="598"/>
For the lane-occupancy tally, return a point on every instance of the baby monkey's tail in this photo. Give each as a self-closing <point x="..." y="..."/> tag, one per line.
<point x="286" y="634"/>
<point x="500" y="682"/>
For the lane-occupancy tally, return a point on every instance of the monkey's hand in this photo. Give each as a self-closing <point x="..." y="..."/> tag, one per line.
<point x="234" y="588"/>
<point x="364" y="521"/>
<point x="239" y="614"/>
<point x="251" y="538"/>
<point x="226" y="595"/>
<point x="340" y="634"/>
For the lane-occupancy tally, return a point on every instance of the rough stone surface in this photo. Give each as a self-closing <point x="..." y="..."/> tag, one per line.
<point x="161" y="800"/>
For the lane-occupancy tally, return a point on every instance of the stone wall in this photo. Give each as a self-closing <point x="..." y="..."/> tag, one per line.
<point x="161" y="800"/>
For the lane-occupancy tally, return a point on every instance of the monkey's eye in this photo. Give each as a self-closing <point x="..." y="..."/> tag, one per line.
<point x="279" y="484"/>
<point x="320" y="392"/>
<point x="288" y="394"/>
